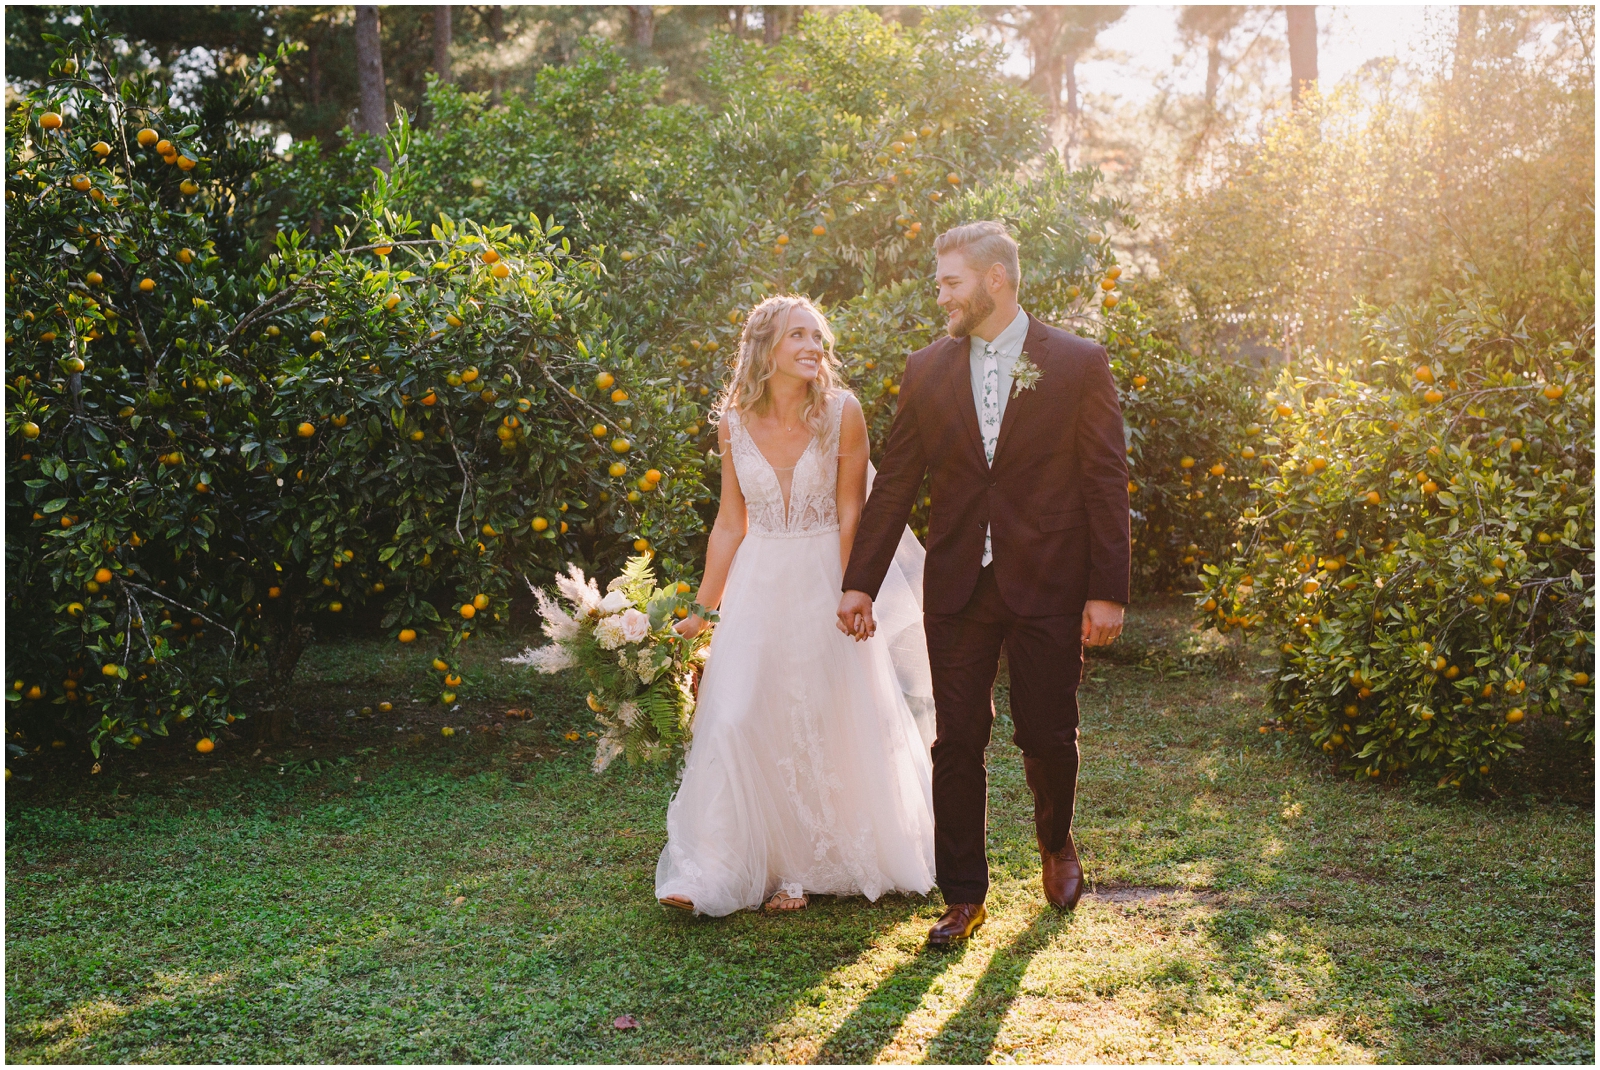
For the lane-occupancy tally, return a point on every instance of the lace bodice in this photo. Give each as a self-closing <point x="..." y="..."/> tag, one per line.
<point x="813" y="491"/>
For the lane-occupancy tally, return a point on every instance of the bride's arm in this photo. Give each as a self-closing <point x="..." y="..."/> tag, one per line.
<point x="726" y="535"/>
<point x="853" y="451"/>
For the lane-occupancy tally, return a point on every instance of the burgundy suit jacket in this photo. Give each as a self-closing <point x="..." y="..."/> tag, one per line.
<point x="1056" y="496"/>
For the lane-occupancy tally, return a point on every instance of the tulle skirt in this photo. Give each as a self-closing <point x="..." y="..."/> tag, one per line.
<point x="807" y="770"/>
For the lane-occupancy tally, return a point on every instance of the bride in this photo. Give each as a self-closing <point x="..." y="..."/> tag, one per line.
<point x="809" y="770"/>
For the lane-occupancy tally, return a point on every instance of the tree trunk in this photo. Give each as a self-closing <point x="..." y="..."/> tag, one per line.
<point x="287" y="639"/>
<point x="314" y="74"/>
<point x="1213" y="71"/>
<point x="374" y="111"/>
<point x="643" y="17"/>
<point x="1466" y="36"/>
<point x="775" y="22"/>
<point x="443" y="36"/>
<point x="1069" y="139"/>
<point x="497" y="34"/>
<point x="736" y="19"/>
<point x="1302" y="48"/>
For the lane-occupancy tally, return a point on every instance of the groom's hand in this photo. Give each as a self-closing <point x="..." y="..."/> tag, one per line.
<point x="1102" y="622"/>
<point x="855" y="615"/>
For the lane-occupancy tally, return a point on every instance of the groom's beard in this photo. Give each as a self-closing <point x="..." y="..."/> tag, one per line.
<point x="973" y="312"/>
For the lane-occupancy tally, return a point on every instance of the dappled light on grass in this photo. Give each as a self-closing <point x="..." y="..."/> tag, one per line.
<point x="60" y="1038"/>
<point x="489" y="899"/>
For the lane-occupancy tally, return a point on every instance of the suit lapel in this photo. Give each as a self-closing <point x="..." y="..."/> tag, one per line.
<point x="958" y="378"/>
<point x="1033" y="347"/>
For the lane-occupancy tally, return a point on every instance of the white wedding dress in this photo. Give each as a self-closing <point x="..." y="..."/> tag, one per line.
<point x="809" y="767"/>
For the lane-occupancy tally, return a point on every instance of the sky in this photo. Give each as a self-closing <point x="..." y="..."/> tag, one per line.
<point x="1145" y="41"/>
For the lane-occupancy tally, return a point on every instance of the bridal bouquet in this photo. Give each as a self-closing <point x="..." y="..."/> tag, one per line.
<point x="641" y="673"/>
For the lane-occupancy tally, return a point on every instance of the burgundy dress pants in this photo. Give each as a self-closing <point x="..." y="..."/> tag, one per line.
<point x="1045" y="658"/>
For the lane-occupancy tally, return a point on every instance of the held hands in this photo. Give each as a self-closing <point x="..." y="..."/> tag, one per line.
<point x="1102" y="622"/>
<point x="855" y="616"/>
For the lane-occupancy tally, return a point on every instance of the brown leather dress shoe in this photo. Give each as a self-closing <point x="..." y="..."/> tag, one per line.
<point x="958" y="923"/>
<point x="1063" y="876"/>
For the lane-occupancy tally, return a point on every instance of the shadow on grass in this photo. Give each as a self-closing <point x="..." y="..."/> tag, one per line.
<point x="969" y="1035"/>
<point x="873" y="1025"/>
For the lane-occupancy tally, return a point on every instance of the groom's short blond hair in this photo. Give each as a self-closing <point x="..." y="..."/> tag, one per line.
<point x="984" y="244"/>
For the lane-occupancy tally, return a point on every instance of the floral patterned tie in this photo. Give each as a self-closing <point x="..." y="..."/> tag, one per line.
<point x="989" y="422"/>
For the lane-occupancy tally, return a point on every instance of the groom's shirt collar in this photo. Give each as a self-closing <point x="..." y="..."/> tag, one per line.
<point x="1008" y="343"/>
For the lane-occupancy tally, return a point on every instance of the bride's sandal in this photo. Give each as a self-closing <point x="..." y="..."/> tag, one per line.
<point x="783" y="902"/>
<point x="677" y="902"/>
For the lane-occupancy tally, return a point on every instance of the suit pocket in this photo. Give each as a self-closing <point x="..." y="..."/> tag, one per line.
<point x="1065" y="520"/>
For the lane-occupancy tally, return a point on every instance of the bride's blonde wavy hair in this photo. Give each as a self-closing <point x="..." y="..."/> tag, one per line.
<point x="747" y="386"/>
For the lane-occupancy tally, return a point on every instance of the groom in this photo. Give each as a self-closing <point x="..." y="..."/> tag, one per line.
<point x="1028" y="550"/>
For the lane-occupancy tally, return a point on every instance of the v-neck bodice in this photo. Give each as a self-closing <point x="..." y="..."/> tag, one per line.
<point x="812" y="507"/>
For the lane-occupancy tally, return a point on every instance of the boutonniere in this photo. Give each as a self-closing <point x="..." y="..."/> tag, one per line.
<point x="1025" y="373"/>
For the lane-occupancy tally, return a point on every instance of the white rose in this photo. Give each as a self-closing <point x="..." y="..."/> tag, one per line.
<point x="615" y="602"/>
<point x="635" y="625"/>
<point x="608" y="633"/>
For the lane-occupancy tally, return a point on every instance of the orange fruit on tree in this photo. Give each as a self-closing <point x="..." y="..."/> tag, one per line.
<point x="205" y="746"/>
<point x="621" y="445"/>
<point x="540" y="523"/>
<point x="1218" y="469"/>
<point x="147" y="137"/>
<point x="185" y="256"/>
<point x="94" y="278"/>
<point x="30" y="430"/>
<point x="147" y="285"/>
<point x="102" y="575"/>
<point x="81" y="183"/>
<point x="306" y="429"/>
<point x="1424" y="373"/>
<point x="188" y="188"/>
<point x="1139" y="381"/>
<point x="468" y="611"/>
<point x="164" y="147"/>
<point x="818" y="231"/>
<point x="619" y="396"/>
<point x="500" y="271"/>
<point x="641" y="545"/>
<point x="407" y="635"/>
<point x="50" y="120"/>
<point x="617" y="469"/>
<point x="490" y="256"/>
<point x="1554" y="391"/>
<point x="186" y="163"/>
<point x="1515" y="716"/>
<point x="452" y="680"/>
<point x="109" y="669"/>
<point x="481" y="601"/>
<point x="1373" y="497"/>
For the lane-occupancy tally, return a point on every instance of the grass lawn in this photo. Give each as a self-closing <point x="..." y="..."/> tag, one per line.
<point x="377" y="892"/>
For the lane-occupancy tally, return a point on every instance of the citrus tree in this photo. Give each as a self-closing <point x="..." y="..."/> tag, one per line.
<point x="1422" y="552"/>
<point x="220" y="442"/>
